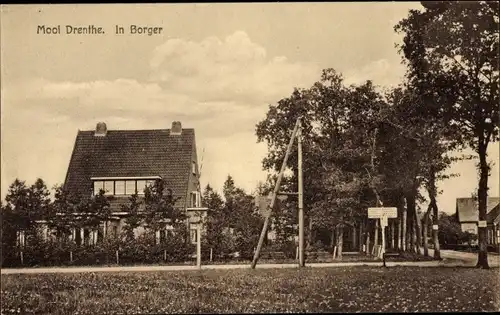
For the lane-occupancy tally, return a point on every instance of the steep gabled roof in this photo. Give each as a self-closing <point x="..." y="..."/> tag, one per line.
<point x="494" y="214"/>
<point x="467" y="208"/>
<point x="129" y="153"/>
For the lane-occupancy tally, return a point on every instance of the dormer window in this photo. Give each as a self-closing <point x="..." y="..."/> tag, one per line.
<point x="109" y="187"/>
<point x="124" y="186"/>
<point x="119" y="187"/>
<point x="130" y="187"/>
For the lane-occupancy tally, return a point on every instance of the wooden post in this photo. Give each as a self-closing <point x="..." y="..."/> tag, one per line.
<point x="211" y="252"/>
<point x="383" y="223"/>
<point x="375" y="237"/>
<point x="22" y="257"/>
<point x="70" y="256"/>
<point x="273" y="199"/>
<point x="198" y="246"/>
<point x="117" y="258"/>
<point x="164" y="255"/>
<point x="301" y="197"/>
<point x="334" y="251"/>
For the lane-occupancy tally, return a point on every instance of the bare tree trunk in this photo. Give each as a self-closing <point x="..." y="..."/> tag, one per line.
<point x="310" y="236"/>
<point x="435" y="232"/>
<point x="410" y="231"/>
<point x="354" y="238"/>
<point x="404" y="236"/>
<point x="425" y="231"/>
<point x="367" y="229"/>
<point x="416" y="229"/>
<point x="360" y="240"/>
<point x="400" y="241"/>
<point x="393" y="227"/>
<point x="332" y="240"/>
<point x="484" y="169"/>
<point x="340" y="241"/>
<point x="375" y="237"/>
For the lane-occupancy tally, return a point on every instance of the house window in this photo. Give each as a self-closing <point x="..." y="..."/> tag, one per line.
<point x="21" y="238"/>
<point x="193" y="167"/>
<point x="195" y="199"/>
<point x="130" y="187"/>
<point x="120" y="187"/>
<point x="141" y="185"/>
<point x="109" y="187"/>
<point x="98" y="185"/>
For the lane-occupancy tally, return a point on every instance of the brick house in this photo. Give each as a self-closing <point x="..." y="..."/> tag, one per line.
<point x="122" y="162"/>
<point x="468" y="216"/>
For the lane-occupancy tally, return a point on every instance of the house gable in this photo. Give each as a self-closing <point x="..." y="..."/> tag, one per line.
<point x="467" y="208"/>
<point x="132" y="153"/>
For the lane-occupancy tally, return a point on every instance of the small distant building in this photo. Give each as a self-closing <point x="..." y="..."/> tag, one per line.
<point x="468" y="216"/>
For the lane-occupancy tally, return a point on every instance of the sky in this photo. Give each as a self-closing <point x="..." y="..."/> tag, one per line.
<point x="214" y="67"/>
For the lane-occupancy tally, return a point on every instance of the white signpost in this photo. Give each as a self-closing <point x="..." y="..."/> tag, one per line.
<point x="383" y="213"/>
<point x="481" y="224"/>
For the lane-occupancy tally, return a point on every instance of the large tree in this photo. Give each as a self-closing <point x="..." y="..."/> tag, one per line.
<point x="451" y="49"/>
<point x="338" y="123"/>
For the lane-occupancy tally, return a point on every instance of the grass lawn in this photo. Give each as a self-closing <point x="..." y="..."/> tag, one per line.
<point x="367" y="289"/>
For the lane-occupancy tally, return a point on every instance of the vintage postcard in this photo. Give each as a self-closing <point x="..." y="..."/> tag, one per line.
<point x="250" y="157"/>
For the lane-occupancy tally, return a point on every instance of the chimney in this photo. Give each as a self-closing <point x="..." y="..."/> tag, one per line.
<point x="100" y="129"/>
<point x="176" y="128"/>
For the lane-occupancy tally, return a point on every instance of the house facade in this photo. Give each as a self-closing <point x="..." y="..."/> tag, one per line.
<point x="123" y="162"/>
<point x="468" y="217"/>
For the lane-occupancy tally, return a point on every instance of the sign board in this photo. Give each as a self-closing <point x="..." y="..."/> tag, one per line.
<point x="481" y="223"/>
<point x="435" y="227"/>
<point x="378" y="212"/>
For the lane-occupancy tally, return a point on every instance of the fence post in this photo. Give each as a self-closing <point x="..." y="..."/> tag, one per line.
<point x="117" y="258"/>
<point x="70" y="256"/>
<point x="22" y="257"/>
<point x="198" y="247"/>
<point x="296" y="253"/>
<point x="211" y="252"/>
<point x="165" y="255"/>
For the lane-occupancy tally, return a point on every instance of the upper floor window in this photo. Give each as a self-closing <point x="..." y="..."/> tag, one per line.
<point x="98" y="186"/>
<point x="130" y="187"/>
<point x="141" y="185"/>
<point x="109" y="187"/>
<point x="122" y="186"/>
<point x="195" y="199"/>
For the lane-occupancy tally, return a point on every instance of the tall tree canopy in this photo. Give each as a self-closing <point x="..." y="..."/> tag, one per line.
<point x="451" y="49"/>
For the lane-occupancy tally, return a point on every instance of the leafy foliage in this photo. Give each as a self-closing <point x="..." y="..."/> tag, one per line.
<point x="451" y="49"/>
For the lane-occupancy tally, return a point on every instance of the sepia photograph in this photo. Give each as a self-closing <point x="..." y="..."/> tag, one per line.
<point x="268" y="157"/>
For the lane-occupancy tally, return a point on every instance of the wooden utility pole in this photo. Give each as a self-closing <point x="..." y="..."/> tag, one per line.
<point x="301" y="197"/>
<point x="273" y="198"/>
